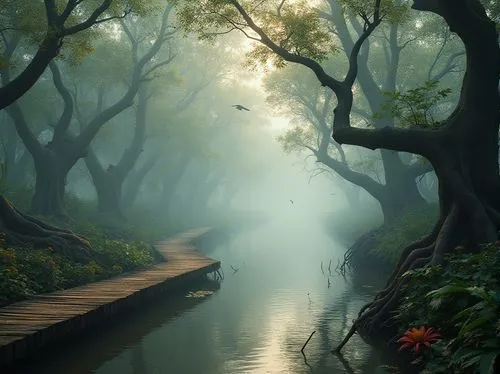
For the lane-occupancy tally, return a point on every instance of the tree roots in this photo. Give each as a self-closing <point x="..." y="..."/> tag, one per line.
<point x="375" y="316"/>
<point x="22" y="230"/>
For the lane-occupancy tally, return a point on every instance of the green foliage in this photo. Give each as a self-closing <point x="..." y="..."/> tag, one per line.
<point x="294" y="26"/>
<point x="392" y="11"/>
<point x="462" y="300"/>
<point x="25" y="271"/>
<point x="404" y="230"/>
<point x="28" y="18"/>
<point x="118" y="247"/>
<point x="413" y="108"/>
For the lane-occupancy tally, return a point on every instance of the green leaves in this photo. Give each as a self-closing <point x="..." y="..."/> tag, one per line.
<point x="392" y="11"/>
<point x="468" y="290"/>
<point x="415" y="107"/>
<point x="487" y="363"/>
<point x="291" y="25"/>
<point x="407" y="229"/>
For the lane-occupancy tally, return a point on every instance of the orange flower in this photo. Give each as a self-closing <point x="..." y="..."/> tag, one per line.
<point x="418" y="338"/>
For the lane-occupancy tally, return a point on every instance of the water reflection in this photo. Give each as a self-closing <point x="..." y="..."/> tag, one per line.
<point x="256" y="323"/>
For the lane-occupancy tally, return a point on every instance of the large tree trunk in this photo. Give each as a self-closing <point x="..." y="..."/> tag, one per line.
<point x="51" y="171"/>
<point x="401" y="194"/>
<point x="108" y="186"/>
<point x="464" y="153"/>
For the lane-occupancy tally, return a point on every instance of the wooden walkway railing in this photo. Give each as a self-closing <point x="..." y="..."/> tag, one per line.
<point x="28" y="326"/>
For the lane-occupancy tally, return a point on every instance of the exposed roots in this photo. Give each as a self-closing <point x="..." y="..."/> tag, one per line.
<point x="430" y="250"/>
<point x="23" y="230"/>
<point x="355" y="256"/>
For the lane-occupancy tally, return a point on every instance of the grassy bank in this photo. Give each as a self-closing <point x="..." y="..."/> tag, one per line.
<point x="376" y="247"/>
<point x="117" y="247"/>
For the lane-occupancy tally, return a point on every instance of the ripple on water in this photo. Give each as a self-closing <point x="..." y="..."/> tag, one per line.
<point x="256" y="323"/>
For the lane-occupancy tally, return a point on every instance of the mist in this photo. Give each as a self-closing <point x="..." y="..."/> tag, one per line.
<point x="218" y="187"/>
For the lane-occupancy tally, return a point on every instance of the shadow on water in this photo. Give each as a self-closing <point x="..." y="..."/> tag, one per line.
<point x="87" y="352"/>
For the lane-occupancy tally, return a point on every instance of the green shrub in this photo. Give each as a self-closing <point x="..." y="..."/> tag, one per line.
<point x="462" y="301"/>
<point x="25" y="272"/>
<point x="405" y="230"/>
<point x="118" y="246"/>
<point x="13" y="284"/>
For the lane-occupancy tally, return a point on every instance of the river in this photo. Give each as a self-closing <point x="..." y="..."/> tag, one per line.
<point x="256" y="322"/>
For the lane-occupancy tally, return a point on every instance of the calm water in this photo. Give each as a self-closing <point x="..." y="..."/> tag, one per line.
<point x="255" y="323"/>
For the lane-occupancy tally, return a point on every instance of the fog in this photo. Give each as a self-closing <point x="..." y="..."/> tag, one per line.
<point x="159" y="119"/>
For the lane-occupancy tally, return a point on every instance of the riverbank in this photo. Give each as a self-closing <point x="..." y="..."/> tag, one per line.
<point x="28" y="326"/>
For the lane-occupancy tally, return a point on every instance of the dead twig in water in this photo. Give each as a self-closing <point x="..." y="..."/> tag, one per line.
<point x="330" y="267"/>
<point x="305" y="361"/>
<point x="307" y="341"/>
<point x="346" y="339"/>
<point x="322" y="268"/>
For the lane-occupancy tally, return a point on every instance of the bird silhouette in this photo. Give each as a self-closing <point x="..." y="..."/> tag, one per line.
<point x="240" y="107"/>
<point x="291" y="201"/>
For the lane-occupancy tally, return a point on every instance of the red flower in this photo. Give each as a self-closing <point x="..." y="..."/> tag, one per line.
<point x="418" y="338"/>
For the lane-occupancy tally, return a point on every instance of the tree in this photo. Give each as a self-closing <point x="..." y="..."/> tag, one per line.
<point x="54" y="160"/>
<point x="463" y="150"/>
<point x="295" y="91"/>
<point x="109" y="181"/>
<point x="62" y="19"/>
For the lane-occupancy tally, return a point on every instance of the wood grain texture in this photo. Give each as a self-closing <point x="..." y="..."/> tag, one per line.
<point x="29" y="325"/>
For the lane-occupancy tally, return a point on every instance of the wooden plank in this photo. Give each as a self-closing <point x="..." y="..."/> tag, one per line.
<point x="29" y="325"/>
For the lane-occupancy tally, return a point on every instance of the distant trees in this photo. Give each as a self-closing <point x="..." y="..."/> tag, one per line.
<point x="109" y="181"/>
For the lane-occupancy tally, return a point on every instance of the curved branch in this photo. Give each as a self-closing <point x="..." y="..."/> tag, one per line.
<point x="67" y="114"/>
<point x="17" y="87"/>
<point x="418" y="141"/>
<point x="323" y="77"/>
<point x="127" y="100"/>
<point x="362" y="180"/>
<point x="131" y="154"/>
<point x="353" y="58"/>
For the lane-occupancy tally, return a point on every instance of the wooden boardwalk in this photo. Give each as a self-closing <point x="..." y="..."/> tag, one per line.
<point x="30" y="325"/>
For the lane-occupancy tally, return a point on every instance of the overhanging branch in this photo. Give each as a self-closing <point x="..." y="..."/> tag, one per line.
<point x="417" y="141"/>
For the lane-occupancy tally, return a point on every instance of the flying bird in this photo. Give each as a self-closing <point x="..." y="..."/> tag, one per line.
<point x="240" y="107"/>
